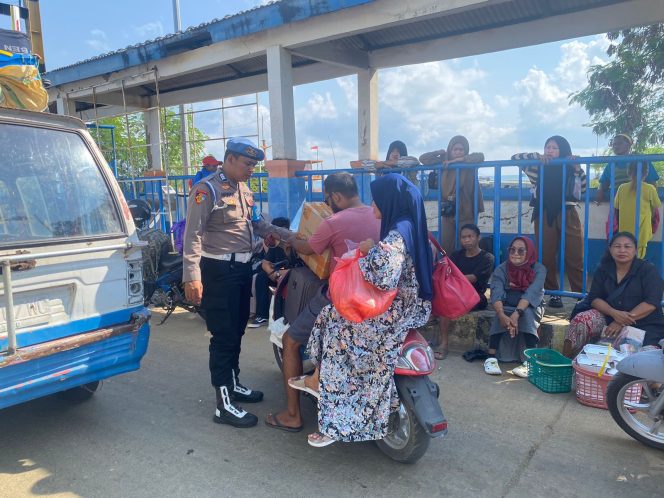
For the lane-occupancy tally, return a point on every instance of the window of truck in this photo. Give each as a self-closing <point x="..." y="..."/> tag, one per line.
<point x="51" y="188"/>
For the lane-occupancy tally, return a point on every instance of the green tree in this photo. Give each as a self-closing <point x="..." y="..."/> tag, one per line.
<point x="626" y="95"/>
<point x="131" y="144"/>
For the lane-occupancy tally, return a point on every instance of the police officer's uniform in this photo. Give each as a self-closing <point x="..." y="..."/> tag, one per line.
<point x="217" y="249"/>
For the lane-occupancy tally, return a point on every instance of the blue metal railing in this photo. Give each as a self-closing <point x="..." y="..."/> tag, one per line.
<point x="161" y="195"/>
<point x="492" y="186"/>
<point x="496" y="193"/>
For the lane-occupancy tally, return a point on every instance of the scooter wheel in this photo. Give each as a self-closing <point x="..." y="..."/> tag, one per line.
<point x="633" y="416"/>
<point x="407" y="440"/>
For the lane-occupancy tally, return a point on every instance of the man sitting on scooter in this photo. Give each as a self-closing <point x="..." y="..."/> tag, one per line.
<point x="352" y="220"/>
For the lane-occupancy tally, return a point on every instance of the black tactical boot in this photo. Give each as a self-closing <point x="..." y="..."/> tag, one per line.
<point x="228" y="413"/>
<point x="243" y="394"/>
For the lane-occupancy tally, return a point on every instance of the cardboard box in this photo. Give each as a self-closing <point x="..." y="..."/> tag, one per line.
<point x="313" y="214"/>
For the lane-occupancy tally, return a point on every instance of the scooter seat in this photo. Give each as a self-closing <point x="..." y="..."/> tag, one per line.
<point x="170" y="262"/>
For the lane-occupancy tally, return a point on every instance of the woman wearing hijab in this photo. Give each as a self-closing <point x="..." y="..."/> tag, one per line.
<point x="356" y="361"/>
<point x="557" y="147"/>
<point x="517" y="290"/>
<point x="458" y="151"/>
<point x="397" y="157"/>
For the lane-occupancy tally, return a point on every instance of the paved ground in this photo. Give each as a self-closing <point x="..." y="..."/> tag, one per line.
<point x="150" y="433"/>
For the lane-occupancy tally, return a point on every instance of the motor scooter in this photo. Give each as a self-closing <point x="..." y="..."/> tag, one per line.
<point x="162" y="275"/>
<point x="642" y="419"/>
<point x="420" y="417"/>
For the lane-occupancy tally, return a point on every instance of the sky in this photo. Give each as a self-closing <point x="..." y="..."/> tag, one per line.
<point x="503" y="102"/>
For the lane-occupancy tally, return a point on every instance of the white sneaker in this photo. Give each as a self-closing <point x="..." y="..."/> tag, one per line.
<point x="491" y="367"/>
<point x="521" y="370"/>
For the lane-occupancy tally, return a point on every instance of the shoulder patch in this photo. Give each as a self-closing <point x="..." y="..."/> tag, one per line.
<point x="200" y="195"/>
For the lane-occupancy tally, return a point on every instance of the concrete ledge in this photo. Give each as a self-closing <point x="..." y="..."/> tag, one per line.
<point x="472" y="331"/>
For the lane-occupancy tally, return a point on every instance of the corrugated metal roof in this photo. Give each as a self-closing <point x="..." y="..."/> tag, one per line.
<point x="260" y="18"/>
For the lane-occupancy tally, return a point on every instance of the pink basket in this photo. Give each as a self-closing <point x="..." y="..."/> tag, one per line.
<point x="591" y="390"/>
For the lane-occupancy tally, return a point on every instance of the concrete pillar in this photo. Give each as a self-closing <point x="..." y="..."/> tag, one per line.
<point x="153" y="138"/>
<point x="282" y="112"/>
<point x="65" y="106"/>
<point x="367" y="114"/>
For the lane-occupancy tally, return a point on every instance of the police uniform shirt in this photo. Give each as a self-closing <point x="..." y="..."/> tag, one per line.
<point x="220" y="226"/>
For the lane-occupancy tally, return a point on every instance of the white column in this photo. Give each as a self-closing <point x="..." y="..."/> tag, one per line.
<point x="153" y="137"/>
<point x="65" y="106"/>
<point x="282" y="112"/>
<point x="367" y="114"/>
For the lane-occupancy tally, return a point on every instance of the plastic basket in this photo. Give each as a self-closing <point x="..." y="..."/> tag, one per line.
<point x="591" y="389"/>
<point x="549" y="370"/>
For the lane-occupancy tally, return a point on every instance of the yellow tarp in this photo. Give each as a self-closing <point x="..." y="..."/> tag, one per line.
<point x="21" y="88"/>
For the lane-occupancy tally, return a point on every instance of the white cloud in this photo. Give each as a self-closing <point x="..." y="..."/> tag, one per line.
<point x="99" y="41"/>
<point x="433" y="102"/>
<point x="349" y="86"/>
<point x="319" y="107"/>
<point x="148" y="31"/>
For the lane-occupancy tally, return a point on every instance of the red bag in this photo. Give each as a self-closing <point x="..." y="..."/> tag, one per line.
<point x="354" y="298"/>
<point x="453" y="294"/>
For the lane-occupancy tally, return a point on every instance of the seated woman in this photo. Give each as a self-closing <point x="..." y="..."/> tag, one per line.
<point x="517" y="293"/>
<point x="356" y="361"/>
<point x="477" y="266"/>
<point x="458" y="151"/>
<point x="625" y="291"/>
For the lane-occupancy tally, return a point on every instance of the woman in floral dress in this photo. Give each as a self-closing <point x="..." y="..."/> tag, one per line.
<point x="356" y="361"/>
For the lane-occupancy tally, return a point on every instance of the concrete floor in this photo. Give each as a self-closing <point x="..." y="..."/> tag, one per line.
<point x="150" y="433"/>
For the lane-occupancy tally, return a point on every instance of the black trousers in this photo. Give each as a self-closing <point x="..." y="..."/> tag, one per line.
<point x="263" y="294"/>
<point x="226" y="301"/>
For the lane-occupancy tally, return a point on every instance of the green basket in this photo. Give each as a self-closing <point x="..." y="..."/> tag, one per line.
<point x="549" y="370"/>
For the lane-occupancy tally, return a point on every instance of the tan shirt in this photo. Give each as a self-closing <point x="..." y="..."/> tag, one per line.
<point x="219" y="221"/>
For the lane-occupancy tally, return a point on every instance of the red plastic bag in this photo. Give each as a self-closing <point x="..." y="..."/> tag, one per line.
<point x="453" y="294"/>
<point x="354" y="298"/>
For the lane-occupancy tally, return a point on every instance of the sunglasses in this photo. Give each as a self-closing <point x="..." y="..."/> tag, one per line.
<point x="517" y="250"/>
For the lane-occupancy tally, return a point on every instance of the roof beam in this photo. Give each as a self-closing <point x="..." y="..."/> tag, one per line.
<point x="333" y="53"/>
<point x="607" y="18"/>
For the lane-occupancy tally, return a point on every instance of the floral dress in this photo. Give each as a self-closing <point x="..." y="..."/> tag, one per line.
<point x="357" y="360"/>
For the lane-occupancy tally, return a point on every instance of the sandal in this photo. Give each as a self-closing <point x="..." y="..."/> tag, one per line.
<point x="440" y="353"/>
<point x="491" y="367"/>
<point x="521" y="371"/>
<point x="318" y="440"/>
<point x="298" y="383"/>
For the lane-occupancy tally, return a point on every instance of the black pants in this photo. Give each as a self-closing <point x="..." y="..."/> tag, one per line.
<point x="226" y="301"/>
<point x="263" y="294"/>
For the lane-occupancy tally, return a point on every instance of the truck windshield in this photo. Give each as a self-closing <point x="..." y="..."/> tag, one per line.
<point x="51" y="188"/>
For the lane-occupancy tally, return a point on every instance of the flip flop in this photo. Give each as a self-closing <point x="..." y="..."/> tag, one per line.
<point x="318" y="440"/>
<point x="491" y="367"/>
<point x="475" y="354"/>
<point x="440" y="354"/>
<point x="278" y="425"/>
<point x="298" y="383"/>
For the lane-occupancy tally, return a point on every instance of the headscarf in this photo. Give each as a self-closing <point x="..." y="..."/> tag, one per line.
<point x="459" y="139"/>
<point x="402" y="209"/>
<point x="400" y="146"/>
<point x="520" y="277"/>
<point x="629" y="139"/>
<point x="553" y="180"/>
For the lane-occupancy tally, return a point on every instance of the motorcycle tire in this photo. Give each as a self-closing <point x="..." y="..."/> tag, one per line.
<point x="407" y="442"/>
<point x="80" y="393"/>
<point x="278" y="356"/>
<point x="627" y="419"/>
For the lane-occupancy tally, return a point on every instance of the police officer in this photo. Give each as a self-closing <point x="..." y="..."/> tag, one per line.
<point x="217" y="273"/>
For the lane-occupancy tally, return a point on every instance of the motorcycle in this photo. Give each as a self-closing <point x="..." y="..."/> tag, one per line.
<point x="162" y="268"/>
<point x="419" y="418"/>
<point x="642" y="419"/>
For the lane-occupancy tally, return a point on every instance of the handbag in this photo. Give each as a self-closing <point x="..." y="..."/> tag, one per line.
<point x="433" y="180"/>
<point x="453" y="294"/>
<point x="448" y="208"/>
<point x="353" y="297"/>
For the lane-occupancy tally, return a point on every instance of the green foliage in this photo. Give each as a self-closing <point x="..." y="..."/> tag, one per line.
<point x="131" y="144"/>
<point x="626" y="95"/>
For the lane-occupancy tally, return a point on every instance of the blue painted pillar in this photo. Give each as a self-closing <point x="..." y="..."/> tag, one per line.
<point x="286" y="192"/>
